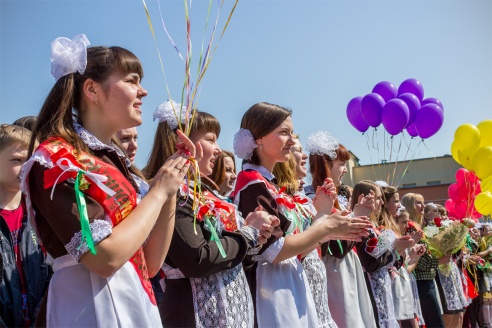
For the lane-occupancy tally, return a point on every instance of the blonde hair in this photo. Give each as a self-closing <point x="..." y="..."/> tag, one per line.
<point x="14" y="135"/>
<point x="285" y="172"/>
<point x="409" y="201"/>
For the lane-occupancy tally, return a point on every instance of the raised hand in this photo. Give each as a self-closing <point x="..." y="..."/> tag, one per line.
<point x="325" y="197"/>
<point x="262" y="221"/>
<point x="402" y="243"/>
<point x="365" y="204"/>
<point x="345" y="227"/>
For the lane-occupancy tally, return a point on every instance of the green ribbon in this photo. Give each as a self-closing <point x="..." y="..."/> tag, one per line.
<point x="215" y="237"/>
<point x="339" y="245"/>
<point x="84" y="218"/>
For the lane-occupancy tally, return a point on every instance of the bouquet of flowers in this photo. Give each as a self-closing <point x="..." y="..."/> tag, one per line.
<point x="446" y="237"/>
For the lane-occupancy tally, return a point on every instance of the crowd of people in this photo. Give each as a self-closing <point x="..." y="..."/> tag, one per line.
<point x="88" y="239"/>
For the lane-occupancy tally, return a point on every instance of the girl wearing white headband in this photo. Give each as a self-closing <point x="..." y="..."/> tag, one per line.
<point x="83" y="199"/>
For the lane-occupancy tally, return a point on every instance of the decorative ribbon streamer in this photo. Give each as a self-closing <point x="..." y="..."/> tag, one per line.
<point x="215" y="237"/>
<point x="99" y="180"/>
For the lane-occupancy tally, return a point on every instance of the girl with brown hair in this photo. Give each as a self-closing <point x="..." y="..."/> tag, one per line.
<point x="224" y="173"/>
<point x="205" y="285"/>
<point x="349" y="300"/>
<point x="378" y="252"/>
<point x="277" y="279"/>
<point x="105" y="237"/>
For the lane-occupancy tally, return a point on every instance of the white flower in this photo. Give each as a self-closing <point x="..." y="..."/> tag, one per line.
<point x="322" y="143"/>
<point x="166" y="113"/>
<point x="431" y="231"/>
<point x="244" y="144"/>
<point x="68" y="56"/>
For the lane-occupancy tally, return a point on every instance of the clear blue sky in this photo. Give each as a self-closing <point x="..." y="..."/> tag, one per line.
<point x="311" y="56"/>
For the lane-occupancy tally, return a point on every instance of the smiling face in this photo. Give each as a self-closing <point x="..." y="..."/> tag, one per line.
<point x="275" y="146"/>
<point x="11" y="160"/>
<point x="229" y="176"/>
<point x="128" y="139"/>
<point x="208" y="141"/>
<point x="300" y="158"/>
<point x="419" y="205"/>
<point x="431" y="212"/>
<point x="402" y="223"/>
<point x="121" y="100"/>
<point x="338" y="170"/>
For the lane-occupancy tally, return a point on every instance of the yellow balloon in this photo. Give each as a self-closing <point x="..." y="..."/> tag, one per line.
<point x="483" y="203"/>
<point x="482" y="162"/>
<point x="486" y="184"/>
<point x="465" y="161"/>
<point x="454" y="152"/>
<point x="485" y="128"/>
<point x="467" y="136"/>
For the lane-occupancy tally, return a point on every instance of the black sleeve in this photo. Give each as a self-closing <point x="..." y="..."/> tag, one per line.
<point x="195" y="254"/>
<point x="257" y="194"/>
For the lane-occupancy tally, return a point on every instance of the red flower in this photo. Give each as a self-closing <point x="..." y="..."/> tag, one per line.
<point x="437" y="221"/>
<point x="370" y="249"/>
<point x="372" y="242"/>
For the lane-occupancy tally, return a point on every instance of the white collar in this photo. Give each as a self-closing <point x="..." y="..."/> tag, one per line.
<point x="95" y="144"/>
<point x="261" y="169"/>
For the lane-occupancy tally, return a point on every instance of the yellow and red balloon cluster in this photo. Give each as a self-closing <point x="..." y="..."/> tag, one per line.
<point x="472" y="148"/>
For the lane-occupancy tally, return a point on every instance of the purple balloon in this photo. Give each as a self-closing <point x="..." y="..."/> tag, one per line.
<point x="429" y="120"/>
<point x="371" y="107"/>
<point x="413" y="104"/>
<point x="412" y="130"/>
<point x="412" y="86"/>
<point x="395" y="116"/>
<point x="431" y="100"/>
<point x="386" y="90"/>
<point x="354" y="115"/>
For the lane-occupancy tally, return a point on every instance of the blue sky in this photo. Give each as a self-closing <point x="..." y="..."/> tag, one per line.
<point x="311" y="56"/>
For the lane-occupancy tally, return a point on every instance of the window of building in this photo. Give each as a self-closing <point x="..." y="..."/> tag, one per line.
<point x="433" y="183"/>
<point x="409" y="185"/>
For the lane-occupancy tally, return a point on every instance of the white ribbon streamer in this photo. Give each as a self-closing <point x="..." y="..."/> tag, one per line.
<point x="98" y="179"/>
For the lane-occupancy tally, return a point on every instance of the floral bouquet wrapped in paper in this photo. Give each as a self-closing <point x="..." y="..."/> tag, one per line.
<point x="446" y="237"/>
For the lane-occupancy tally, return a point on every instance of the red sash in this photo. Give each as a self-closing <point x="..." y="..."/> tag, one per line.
<point x="117" y="207"/>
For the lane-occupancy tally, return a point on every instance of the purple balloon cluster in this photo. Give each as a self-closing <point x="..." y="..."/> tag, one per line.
<point x="397" y="109"/>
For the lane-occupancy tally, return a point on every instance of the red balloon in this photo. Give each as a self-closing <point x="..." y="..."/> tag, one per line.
<point x="456" y="193"/>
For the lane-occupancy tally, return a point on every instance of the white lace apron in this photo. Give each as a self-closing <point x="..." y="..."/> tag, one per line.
<point x="102" y="302"/>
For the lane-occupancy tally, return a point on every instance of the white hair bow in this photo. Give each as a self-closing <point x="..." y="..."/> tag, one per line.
<point x="69" y="56"/>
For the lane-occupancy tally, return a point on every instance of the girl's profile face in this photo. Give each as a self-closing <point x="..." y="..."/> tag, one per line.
<point x="275" y="146"/>
<point x="402" y="223"/>
<point x="208" y="141"/>
<point x="338" y="170"/>
<point x="230" y="176"/>
<point x="419" y="205"/>
<point x="300" y="159"/>
<point x="120" y="99"/>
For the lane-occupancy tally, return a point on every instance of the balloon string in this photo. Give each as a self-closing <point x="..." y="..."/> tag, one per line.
<point x="408" y="164"/>
<point x="370" y="154"/>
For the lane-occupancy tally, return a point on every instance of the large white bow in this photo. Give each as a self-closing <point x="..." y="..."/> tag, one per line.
<point x="167" y="112"/>
<point x="69" y="56"/>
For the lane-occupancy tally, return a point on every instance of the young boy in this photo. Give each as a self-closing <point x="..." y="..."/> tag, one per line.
<point x="25" y="275"/>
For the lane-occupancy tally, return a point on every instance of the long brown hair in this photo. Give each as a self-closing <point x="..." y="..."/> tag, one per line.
<point x="55" y="117"/>
<point x="385" y="219"/>
<point x="285" y="172"/>
<point x="261" y="119"/>
<point x="165" y="140"/>
<point x="320" y="165"/>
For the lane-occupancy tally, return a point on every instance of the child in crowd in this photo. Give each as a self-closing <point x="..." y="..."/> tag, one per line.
<point x="25" y="275"/>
